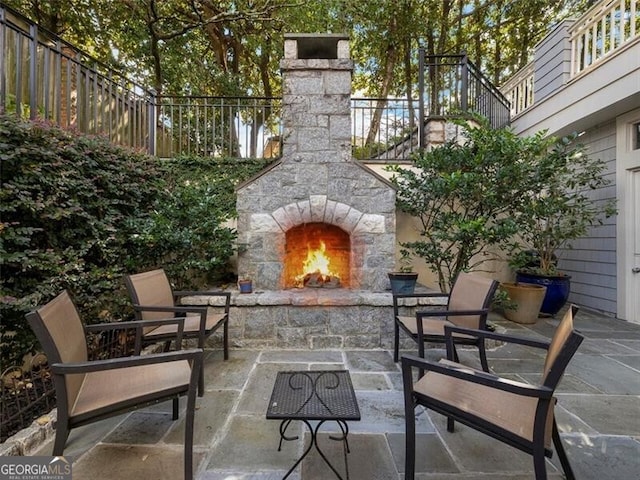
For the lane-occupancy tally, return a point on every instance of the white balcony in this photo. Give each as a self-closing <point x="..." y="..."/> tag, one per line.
<point x="583" y="71"/>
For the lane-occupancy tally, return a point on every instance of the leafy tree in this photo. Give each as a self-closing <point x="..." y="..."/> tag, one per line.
<point x="561" y="206"/>
<point x="233" y="47"/>
<point x="464" y="195"/>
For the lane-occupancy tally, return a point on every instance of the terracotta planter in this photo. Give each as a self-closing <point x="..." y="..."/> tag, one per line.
<point x="528" y="298"/>
<point x="558" y="288"/>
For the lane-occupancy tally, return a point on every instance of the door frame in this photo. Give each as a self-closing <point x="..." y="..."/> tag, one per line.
<point x="627" y="166"/>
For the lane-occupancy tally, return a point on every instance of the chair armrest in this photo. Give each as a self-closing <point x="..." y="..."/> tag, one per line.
<point x="193" y="355"/>
<point x="530" y="342"/>
<point x="420" y="294"/>
<point x="134" y="324"/>
<point x="475" y="376"/>
<point x="139" y="325"/>
<point x="450" y="313"/>
<point x="171" y="308"/>
<point x="202" y="310"/>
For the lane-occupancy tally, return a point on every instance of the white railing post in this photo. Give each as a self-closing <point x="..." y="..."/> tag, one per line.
<point x="607" y="20"/>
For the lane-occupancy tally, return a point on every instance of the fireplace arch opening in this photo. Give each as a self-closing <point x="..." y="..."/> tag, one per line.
<point x="317" y="255"/>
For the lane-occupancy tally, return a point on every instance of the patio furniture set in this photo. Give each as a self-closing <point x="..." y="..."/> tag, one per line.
<point x="518" y="414"/>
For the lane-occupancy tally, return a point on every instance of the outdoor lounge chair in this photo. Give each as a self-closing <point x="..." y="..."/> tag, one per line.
<point x="89" y="391"/>
<point x="153" y="298"/>
<point x="467" y="306"/>
<point x="516" y="413"/>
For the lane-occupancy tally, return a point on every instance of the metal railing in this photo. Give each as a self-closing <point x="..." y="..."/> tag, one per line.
<point x="451" y="85"/>
<point x="393" y="136"/>
<point x="43" y="77"/>
<point x="241" y="127"/>
<point x="251" y="127"/>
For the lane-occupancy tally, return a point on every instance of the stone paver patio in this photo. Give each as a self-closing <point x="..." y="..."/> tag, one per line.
<point x="598" y="415"/>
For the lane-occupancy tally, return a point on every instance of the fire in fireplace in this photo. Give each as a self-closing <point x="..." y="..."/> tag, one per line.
<point x="316" y="255"/>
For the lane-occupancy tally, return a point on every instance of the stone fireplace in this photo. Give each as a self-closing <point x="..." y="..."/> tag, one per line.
<point x="316" y="201"/>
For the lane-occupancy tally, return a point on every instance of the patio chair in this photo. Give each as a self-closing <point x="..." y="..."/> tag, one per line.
<point x="153" y="298"/>
<point x="90" y="391"/>
<point x="467" y="306"/>
<point x="515" y="413"/>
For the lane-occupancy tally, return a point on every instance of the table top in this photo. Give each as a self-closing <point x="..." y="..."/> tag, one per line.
<point x="313" y="395"/>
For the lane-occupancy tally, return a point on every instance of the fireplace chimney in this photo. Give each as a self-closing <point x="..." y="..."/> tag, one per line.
<point x="316" y="183"/>
<point x="316" y="98"/>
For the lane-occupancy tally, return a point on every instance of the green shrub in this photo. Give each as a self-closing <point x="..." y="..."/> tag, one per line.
<point x="66" y="203"/>
<point x="464" y="195"/>
<point x="78" y="212"/>
<point x="189" y="232"/>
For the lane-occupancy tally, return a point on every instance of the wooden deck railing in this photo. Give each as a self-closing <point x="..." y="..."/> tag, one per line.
<point x="604" y="29"/>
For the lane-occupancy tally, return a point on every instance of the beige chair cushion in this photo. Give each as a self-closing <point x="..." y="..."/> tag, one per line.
<point x="430" y="326"/>
<point x="512" y="412"/>
<point x="191" y="325"/>
<point x="104" y="388"/>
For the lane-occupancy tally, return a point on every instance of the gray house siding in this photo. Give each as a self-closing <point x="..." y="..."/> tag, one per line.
<point x="552" y="62"/>
<point x="592" y="260"/>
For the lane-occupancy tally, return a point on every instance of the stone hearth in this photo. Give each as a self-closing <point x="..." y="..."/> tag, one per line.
<point x="312" y="318"/>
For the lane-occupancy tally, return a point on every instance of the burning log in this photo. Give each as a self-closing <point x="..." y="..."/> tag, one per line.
<point x="318" y="280"/>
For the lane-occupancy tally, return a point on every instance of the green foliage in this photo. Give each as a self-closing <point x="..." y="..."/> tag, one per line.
<point x="464" y="195"/>
<point x="66" y="203"/>
<point x="222" y="47"/>
<point x="77" y="213"/>
<point x="189" y="225"/>
<point x="560" y="206"/>
<point x="499" y="192"/>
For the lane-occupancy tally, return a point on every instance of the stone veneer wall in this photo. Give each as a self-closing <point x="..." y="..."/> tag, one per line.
<point x="313" y="319"/>
<point x="317" y="180"/>
<point x="274" y="203"/>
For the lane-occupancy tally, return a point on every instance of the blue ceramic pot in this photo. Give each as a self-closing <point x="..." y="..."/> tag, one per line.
<point x="558" y="287"/>
<point x="245" y="286"/>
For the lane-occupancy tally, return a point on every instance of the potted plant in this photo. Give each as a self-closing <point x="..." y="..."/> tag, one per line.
<point x="405" y="279"/>
<point x="245" y="281"/>
<point x="245" y="285"/>
<point x="525" y="301"/>
<point x="555" y="211"/>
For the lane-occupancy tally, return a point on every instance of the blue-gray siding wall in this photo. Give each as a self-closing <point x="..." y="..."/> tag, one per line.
<point x="552" y="62"/>
<point x="592" y="260"/>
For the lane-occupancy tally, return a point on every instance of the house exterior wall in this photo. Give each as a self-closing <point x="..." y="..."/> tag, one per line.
<point x="552" y="62"/>
<point x="592" y="260"/>
<point x="589" y="103"/>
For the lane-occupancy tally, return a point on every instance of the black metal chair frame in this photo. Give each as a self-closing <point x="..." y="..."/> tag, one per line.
<point x="543" y="392"/>
<point x="59" y="369"/>
<point x="420" y="337"/>
<point x="181" y="310"/>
